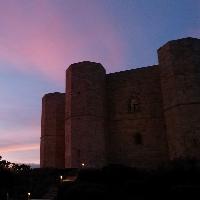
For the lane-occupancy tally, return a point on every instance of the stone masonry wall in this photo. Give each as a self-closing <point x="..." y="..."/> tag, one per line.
<point x="141" y="117"/>
<point x="85" y="115"/>
<point x="180" y="77"/>
<point x="53" y="130"/>
<point x="135" y="118"/>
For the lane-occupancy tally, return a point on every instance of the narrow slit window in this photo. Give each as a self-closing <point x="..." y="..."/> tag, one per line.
<point x="133" y="105"/>
<point x="138" y="139"/>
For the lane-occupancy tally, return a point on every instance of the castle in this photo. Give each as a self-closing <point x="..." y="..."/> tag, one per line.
<point x="140" y="117"/>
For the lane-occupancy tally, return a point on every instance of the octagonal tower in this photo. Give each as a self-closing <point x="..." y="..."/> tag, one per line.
<point x="52" y="147"/>
<point x="179" y="63"/>
<point x="85" y="115"/>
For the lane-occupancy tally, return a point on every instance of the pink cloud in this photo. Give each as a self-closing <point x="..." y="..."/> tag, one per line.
<point x="21" y="147"/>
<point x="19" y="134"/>
<point x="46" y="41"/>
<point x="25" y="156"/>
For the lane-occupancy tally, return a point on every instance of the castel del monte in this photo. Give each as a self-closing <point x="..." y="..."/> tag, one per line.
<point x="141" y="117"/>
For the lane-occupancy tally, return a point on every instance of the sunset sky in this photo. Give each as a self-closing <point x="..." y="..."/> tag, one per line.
<point x="39" y="39"/>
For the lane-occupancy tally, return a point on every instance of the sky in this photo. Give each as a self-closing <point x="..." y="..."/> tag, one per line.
<point x="39" y="39"/>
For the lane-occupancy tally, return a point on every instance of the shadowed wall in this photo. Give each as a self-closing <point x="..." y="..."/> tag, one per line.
<point x="52" y="147"/>
<point x="85" y="115"/>
<point x="180" y="79"/>
<point x="135" y="122"/>
<point x="141" y="117"/>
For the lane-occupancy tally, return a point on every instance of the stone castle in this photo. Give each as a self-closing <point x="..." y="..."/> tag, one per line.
<point x="140" y="117"/>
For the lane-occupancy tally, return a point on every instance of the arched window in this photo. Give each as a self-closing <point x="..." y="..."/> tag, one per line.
<point x="134" y="105"/>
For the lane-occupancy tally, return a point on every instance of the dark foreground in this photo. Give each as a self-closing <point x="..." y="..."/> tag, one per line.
<point x="180" y="180"/>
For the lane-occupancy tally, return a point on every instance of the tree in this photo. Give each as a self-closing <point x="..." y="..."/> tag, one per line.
<point x="17" y="168"/>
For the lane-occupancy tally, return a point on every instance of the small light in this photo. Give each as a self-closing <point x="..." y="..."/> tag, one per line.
<point x="82" y="164"/>
<point x="29" y="194"/>
<point x="61" y="177"/>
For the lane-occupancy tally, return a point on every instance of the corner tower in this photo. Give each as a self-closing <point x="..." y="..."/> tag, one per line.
<point x="180" y="80"/>
<point x="52" y="147"/>
<point x="85" y="115"/>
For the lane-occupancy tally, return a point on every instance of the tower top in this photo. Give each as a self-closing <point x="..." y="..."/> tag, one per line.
<point x="86" y="64"/>
<point x="54" y="94"/>
<point x="189" y="41"/>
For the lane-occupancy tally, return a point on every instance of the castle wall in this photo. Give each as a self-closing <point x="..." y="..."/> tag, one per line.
<point x="180" y="79"/>
<point x="53" y="130"/>
<point x="141" y="117"/>
<point x="85" y="115"/>
<point x="135" y="118"/>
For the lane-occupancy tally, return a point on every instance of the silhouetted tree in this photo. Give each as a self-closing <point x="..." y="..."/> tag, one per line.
<point x="14" y="179"/>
